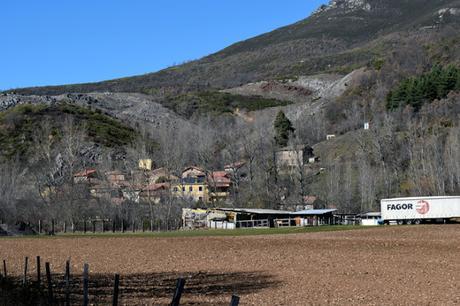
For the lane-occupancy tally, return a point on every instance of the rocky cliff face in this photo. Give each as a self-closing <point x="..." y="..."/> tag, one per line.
<point x="346" y="5"/>
<point x="131" y="107"/>
<point x="10" y="100"/>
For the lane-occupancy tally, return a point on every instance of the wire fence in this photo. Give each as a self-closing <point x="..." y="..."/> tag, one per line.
<point x="47" y="287"/>
<point x="52" y="227"/>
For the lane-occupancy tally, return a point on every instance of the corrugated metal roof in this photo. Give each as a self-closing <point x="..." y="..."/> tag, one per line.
<point x="278" y="212"/>
<point x="256" y="211"/>
<point x="314" y="212"/>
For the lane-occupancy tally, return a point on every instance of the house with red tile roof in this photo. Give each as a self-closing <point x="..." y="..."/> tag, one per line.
<point x="85" y="176"/>
<point x="219" y="184"/>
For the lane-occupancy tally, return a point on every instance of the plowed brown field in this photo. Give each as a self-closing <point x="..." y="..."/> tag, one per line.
<point x="410" y="265"/>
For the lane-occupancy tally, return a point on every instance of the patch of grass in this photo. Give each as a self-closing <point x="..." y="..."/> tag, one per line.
<point x="204" y="233"/>
<point x="377" y="63"/>
<point x="340" y="63"/>
<point x="218" y="103"/>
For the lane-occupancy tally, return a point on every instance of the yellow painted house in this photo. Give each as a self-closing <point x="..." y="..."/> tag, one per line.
<point x="192" y="185"/>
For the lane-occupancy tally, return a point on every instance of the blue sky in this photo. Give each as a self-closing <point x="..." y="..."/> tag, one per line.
<point x="50" y="42"/>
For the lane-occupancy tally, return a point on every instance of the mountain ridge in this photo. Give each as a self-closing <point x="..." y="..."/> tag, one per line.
<point x="325" y="35"/>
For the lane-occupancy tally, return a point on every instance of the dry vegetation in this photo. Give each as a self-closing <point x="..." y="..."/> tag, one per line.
<point x="392" y="265"/>
<point x="408" y="151"/>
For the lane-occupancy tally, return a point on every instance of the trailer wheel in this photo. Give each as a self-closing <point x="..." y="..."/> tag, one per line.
<point x="417" y="221"/>
<point x="400" y="222"/>
<point x="409" y="222"/>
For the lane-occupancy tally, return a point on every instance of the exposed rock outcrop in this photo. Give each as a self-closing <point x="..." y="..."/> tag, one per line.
<point x="347" y="5"/>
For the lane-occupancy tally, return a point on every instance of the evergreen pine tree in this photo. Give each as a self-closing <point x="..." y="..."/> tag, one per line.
<point x="430" y="90"/>
<point x="450" y="77"/>
<point x="457" y="85"/>
<point x="391" y="105"/>
<point x="417" y="93"/>
<point x="410" y="92"/>
<point x="283" y="129"/>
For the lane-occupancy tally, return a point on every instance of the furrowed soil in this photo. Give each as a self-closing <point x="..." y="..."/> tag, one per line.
<point x="404" y="265"/>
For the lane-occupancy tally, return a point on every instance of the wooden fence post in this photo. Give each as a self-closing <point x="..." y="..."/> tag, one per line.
<point x="50" y="284"/>
<point x="113" y="226"/>
<point x="5" y="275"/>
<point x="133" y="226"/>
<point x="94" y="226"/>
<point x="115" y="290"/>
<point x="178" y="292"/>
<point x="38" y="272"/>
<point x="235" y="300"/>
<point x="85" y="284"/>
<point x="52" y="226"/>
<point x="26" y="262"/>
<point x="65" y="227"/>
<point x="122" y="226"/>
<point x="67" y="283"/>
<point x="84" y="226"/>
<point x="39" y="227"/>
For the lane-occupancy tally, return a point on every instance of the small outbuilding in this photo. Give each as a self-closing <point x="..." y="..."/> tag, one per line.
<point x="315" y="217"/>
<point x="370" y="218"/>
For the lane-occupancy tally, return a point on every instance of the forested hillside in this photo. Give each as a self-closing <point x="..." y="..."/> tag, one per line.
<point x="391" y="64"/>
<point x="21" y="125"/>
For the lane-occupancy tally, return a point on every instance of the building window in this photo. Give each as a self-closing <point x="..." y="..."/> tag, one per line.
<point x="200" y="199"/>
<point x="183" y="188"/>
<point x="176" y="189"/>
<point x="190" y="188"/>
<point x="200" y="188"/>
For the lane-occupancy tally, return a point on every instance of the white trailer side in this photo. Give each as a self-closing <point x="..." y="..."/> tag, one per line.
<point x="417" y="209"/>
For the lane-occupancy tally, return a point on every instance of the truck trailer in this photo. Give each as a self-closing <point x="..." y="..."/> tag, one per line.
<point x="420" y="209"/>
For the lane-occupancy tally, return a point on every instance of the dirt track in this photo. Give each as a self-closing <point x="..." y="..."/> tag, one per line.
<point x="392" y="265"/>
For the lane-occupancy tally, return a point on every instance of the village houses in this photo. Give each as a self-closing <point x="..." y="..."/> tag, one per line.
<point x="192" y="185"/>
<point x="151" y="186"/>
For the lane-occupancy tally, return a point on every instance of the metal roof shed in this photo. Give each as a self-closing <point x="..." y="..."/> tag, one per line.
<point x="315" y="217"/>
<point x="314" y="212"/>
<point x="371" y="215"/>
